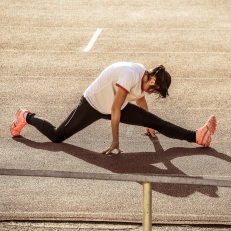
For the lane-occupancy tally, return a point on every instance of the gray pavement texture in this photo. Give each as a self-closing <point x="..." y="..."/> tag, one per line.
<point x="43" y="67"/>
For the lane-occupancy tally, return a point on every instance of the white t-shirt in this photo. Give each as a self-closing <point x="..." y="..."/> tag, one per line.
<point x="128" y="76"/>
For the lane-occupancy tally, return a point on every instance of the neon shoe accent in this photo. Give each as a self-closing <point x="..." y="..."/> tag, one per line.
<point x="204" y="134"/>
<point x="19" y="123"/>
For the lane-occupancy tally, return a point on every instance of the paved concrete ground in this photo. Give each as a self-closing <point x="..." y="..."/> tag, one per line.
<point x="44" y="68"/>
<point x="54" y="226"/>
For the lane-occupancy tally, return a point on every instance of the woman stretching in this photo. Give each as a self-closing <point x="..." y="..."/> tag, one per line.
<point x="109" y="97"/>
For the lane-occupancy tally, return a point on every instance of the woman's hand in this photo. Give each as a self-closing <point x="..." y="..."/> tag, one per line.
<point x="150" y="132"/>
<point x="114" y="145"/>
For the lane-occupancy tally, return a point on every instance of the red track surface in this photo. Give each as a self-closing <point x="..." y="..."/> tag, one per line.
<point x="44" y="68"/>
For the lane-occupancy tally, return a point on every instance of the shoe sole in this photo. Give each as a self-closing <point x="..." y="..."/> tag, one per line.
<point x="211" y="125"/>
<point x="11" y="127"/>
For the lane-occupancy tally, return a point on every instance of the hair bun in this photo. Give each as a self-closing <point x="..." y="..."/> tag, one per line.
<point x="161" y="67"/>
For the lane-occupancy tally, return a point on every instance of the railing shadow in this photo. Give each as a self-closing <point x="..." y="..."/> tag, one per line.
<point x="139" y="163"/>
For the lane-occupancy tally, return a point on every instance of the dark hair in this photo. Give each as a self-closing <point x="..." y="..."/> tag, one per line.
<point x="163" y="79"/>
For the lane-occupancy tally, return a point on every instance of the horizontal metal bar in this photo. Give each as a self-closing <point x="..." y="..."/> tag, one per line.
<point x="118" y="177"/>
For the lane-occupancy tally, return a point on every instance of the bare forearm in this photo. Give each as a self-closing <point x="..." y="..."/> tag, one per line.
<point x="115" y="120"/>
<point x="142" y="103"/>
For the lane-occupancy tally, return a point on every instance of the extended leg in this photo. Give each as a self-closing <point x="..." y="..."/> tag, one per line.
<point x="82" y="116"/>
<point x="132" y="114"/>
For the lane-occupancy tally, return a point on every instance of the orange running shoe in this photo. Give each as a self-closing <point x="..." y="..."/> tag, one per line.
<point x="19" y="123"/>
<point x="204" y="134"/>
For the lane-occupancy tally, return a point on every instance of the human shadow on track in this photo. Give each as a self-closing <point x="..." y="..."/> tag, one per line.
<point x="140" y="163"/>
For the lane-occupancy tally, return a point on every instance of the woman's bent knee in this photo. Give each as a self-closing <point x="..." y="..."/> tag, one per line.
<point x="56" y="139"/>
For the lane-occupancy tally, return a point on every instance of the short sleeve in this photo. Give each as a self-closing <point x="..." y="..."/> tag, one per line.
<point x="127" y="80"/>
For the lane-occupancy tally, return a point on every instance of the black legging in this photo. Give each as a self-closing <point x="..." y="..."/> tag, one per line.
<point x="84" y="115"/>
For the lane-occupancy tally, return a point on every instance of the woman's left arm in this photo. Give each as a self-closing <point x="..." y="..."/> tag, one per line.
<point x="143" y="103"/>
<point x="115" y="120"/>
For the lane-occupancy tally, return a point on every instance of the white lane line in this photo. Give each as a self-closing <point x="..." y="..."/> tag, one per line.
<point x="123" y="52"/>
<point x="92" y="41"/>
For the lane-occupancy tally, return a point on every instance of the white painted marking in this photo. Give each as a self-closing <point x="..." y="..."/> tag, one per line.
<point x="123" y="52"/>
<point x="92" y="41"/>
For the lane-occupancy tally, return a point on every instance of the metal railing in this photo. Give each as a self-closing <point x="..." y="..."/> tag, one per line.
<point x="145" y="179"/>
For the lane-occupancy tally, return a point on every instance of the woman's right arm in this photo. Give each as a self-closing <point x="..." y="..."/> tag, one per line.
<point x="115" y="120"/>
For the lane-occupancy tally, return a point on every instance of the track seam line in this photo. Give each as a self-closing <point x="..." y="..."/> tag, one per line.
<point x="93" y="40"/>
